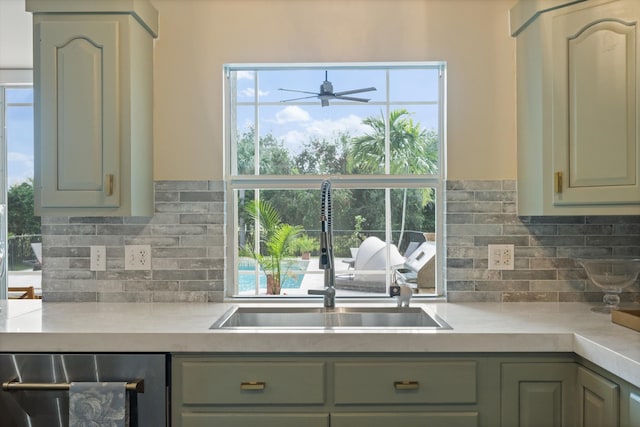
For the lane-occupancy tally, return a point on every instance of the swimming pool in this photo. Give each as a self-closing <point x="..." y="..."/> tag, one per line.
<point x="291" y="277"/>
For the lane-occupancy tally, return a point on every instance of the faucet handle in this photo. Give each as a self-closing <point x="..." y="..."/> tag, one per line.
<point x="404" y="298"/>
<point x="329" y="294"/>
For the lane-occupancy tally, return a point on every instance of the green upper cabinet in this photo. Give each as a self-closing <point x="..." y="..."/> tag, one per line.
<point x="578" y="107"/>
<point x="93" y="78"/>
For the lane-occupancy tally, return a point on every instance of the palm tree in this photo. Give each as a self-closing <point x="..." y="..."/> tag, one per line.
<point x="277" y="239"/>
<point x="413" y="150"/>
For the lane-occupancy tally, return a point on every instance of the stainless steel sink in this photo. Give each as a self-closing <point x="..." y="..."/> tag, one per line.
<point x="329" y="318"/>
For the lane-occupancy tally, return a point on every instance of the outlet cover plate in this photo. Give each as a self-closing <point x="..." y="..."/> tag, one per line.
<point x="501" y="257"/>
<point x="137" y="257"/>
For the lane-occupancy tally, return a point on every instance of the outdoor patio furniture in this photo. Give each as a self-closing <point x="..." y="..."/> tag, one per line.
<point x="368" y="267"/>
<point x="22" y="292"/>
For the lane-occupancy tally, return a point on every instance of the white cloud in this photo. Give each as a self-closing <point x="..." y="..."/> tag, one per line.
<point x="20" y="167"/>
<point x="294" y="140"/>
<point x="292" y="114"/>
<point x="250" y="92"/>
<point x="326" y="129"/>
<point x="351" y="124"/>
<point x="20" y="159"/>
<point x="245" y="75"/>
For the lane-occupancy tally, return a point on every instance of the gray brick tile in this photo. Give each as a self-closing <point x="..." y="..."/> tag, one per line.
<point x="187" y="237"/>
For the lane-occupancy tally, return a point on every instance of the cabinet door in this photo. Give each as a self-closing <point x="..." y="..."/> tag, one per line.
<point x="634" y="408"/>
<point x="253" y="420"/>
<point x="538" y="394"/>
<point x="597" y="400"/>
<point x="403" y="419"/>
<point x="596" y="104"/>
<point x="79" y="128"/>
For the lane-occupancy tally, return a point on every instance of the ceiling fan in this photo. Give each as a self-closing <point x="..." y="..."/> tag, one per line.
<point x="326" y="93"/>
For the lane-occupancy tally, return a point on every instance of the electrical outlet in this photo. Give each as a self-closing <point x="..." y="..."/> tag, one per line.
<point x="501" y="257"/>
<point x="137" y="257"/>
<point x="98" y="258"/>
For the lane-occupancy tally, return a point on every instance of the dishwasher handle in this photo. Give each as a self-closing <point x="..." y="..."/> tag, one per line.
<point x="14" y="385"/>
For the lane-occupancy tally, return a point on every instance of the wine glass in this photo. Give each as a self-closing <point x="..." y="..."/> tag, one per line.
<point x="612" y="275"/>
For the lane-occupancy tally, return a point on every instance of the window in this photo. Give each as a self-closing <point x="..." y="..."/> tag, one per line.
<point x="377" y="132"/>
<point x="20" y="229"/>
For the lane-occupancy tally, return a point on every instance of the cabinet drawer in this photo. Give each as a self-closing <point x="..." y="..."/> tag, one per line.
<point x="418" y="419"/>
<point x="404" y="383"/>
<point x="252" y="383"/>
<point x="262" y="420"/>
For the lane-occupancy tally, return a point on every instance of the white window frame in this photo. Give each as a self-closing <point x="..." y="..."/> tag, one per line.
<point x="234" y="182"/>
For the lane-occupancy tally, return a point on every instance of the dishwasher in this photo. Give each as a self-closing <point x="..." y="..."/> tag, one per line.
<point x="35" y="386"/>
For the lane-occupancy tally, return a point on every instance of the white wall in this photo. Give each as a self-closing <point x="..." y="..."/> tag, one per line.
<point x="198" y="36"/>
<point x="15" y="35"/>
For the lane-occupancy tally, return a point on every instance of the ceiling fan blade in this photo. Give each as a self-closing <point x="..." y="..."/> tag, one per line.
<point x="349" y="92"/>
<point x="297" y="99"/>
<point x="299" y="91"/>
<point x="351" y="98"/>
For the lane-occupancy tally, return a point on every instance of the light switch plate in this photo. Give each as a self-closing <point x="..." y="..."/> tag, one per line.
<point x="98" y="258"/>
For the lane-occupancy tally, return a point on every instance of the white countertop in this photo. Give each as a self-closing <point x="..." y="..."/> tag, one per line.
<point x="31" y="326"/>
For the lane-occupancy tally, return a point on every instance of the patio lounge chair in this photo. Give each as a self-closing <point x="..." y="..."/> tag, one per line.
<point x="368" y="267"/>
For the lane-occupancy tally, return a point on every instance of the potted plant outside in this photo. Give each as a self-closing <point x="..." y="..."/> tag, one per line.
<point x="304" y="245"/>
<point x="276" y="238"/>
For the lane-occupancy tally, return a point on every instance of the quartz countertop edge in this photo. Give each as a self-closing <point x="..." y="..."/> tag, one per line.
<point x="33" y="326"/>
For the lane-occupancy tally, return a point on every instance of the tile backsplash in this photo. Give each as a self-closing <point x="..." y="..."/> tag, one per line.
<point x="479" y="213"/>
<point x="187" y="239"/>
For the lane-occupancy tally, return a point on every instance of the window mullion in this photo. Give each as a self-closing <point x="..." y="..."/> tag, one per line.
<point x="256" y="128"/>
<point x="387" y="191"/>
<point x="256" y="171"/>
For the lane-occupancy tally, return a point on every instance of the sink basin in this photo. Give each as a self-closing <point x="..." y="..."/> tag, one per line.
<point x="333" y="318"/>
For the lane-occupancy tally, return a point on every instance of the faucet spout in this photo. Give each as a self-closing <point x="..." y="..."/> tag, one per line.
<point x="326" y="262"/>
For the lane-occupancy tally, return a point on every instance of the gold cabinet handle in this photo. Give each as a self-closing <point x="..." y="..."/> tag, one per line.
<point x="406" y="385"/>
<point x="557" y="182"/>
<point x="109" y="184"/>
<point x="253" y="385"/>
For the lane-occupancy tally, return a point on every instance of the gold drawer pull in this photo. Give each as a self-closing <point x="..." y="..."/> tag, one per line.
<point x="406" y="385"/>
<point x="109" y="186"/>
<point x="253" y="385"/>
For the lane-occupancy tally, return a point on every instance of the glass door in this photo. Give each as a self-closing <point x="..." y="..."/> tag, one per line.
<point x="20" y="238"/>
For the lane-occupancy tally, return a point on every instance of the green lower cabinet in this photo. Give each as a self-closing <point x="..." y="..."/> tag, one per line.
<point x="419" y="419"/>
<point x="428" y="382"/>
<point x="538" y="394"/>
<point x="630" y="411"/>
<point x="253" y="420"/>
<point x="598" y="400"/>
<point x="331" y="391"/>
<point x="428" y="390"/>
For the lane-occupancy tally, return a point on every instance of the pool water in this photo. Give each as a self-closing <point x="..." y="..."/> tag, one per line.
<point x="291" y="277"/>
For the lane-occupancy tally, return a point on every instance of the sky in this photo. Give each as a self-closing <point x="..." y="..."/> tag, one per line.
<point x="295" y="122"/>
<point x="19" y="133"/>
